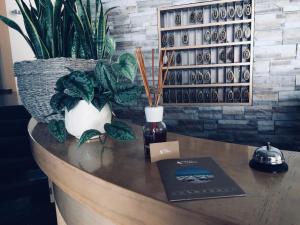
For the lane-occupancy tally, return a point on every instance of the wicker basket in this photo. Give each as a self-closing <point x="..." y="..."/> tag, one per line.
<point x="36" y="82"/>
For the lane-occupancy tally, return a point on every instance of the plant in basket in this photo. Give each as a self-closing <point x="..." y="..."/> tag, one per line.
<point x="61" y="33"/>
<point x="64" y="28"/>
<point x="86" y="100"/>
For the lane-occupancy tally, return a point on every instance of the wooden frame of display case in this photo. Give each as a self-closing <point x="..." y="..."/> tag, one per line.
<point x="199" y="27"/>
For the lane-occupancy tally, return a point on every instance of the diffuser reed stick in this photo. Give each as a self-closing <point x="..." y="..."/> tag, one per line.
<point x="153" y="69"/>
<point x="160" y="90"/>
<point x="161" y="56"/>
<point x="141" y="64"/>
<point x="161" y="78"/>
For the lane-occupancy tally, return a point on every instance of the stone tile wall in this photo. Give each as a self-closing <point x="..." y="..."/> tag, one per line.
<point x="275" y="114"/>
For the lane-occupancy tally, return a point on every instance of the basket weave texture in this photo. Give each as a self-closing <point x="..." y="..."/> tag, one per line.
<point x="36" y="82"/>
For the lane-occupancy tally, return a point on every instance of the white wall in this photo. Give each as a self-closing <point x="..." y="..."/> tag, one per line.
<point x="19" y="47"/>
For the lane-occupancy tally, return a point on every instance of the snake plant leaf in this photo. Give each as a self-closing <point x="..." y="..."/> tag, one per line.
<point x="101" y="33"/>
<point x="38" y="45"/>
<point x="67" y="31"/>
<point x="34" y="18"/>
<point x="57" y="10"/>
<point x="88" y="10"/>
<point x="87" y="135"/>
<point x="126" y="66"/>
<point x="16" y="27"/>
<point x="80" y="83"/>
<point x="98" y="3"/>
<point x="33" y="10"/>
<point x="79" y="31"/>
<point x="88" y="31"/>
<point x="110" y="46"/>
<point x="49" y="28"/>
<point x="110" y="9"/>
<point x="107" y="15"/>
<point x="58" y="130"/>
<point x="119" y="130"/>
<point x="99" y="102"/>
<point x="77" y="51"/>
<point x="30" y="13"/>
<point x="127" y="94"/>
<point x="96" y="14"/>
<point x="105" y="76"/>
<point x="37" y="5"/>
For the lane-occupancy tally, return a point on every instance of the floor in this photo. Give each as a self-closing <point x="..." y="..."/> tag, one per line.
<point x="24" y="192"/>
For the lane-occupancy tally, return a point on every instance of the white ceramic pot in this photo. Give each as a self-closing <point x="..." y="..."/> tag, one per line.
<point x="85" y="116"/>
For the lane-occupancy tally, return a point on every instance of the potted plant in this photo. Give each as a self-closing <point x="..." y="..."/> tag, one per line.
<point x="86" y="100"/>
<point x="62" y="35"/>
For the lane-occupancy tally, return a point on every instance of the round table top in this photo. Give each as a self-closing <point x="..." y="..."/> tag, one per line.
<point x="115" y="180"/>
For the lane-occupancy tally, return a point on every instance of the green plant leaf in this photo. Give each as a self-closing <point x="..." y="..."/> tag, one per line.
<point x="88" y="10"/>
<point x="67" y="31"/>
<point x="110" y="9"/>
<point x="49" y="28"/>
<point x="57" y="101"/>
<point x="105" y="76"/>
<point x="119" y="131"/>
<point x="71" y="102"/>
<point x="81" y="84"/>
<point x="16" y="27"/>
<point x="87" y="135"/>
<point x="38" y="5"/>
<point x="61" y="100"/>
<point x="127" y="94"/>
<point x="126" y="66"/>
<point x="79" y="27"/>
<point x="72" y="94"/>
<point x="107" y="15"/>
<point x="96" y="16"/>
<point x="88" y="31"/>
<point x="99" y="102"/>
<point x="37" y="43"/>
<point x="33" y="17"/>
<point x="58" y="130"/>
<point x="57" y="25"/>
<point x="59" y="86"/>
<point x="101" y="33"/>
<point x="110" y="46"/>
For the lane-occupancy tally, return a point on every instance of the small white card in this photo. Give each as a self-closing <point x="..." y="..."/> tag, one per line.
<point x="164" y="150"/>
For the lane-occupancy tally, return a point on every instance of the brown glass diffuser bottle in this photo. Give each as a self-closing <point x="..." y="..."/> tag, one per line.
<point x="154" y="130"/>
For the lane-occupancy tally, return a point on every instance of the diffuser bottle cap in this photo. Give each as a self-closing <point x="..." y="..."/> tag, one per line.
<point x="154" y="114"/>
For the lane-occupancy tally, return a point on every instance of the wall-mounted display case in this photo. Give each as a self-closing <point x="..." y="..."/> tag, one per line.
<point x="213" y="52"/>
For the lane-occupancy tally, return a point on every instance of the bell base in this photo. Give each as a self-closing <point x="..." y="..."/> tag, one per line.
<point x="268" y="168"/>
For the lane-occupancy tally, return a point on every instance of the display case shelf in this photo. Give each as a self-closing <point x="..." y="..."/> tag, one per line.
<point x="208" y="85"/>
<point x="195" y="26"/>
<point x="207" y="66"/>
<point x="206" y="46"/>
<point x="212" y="44"/>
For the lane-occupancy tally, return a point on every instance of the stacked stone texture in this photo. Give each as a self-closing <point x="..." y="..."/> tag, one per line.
<point x="275" y="113"/>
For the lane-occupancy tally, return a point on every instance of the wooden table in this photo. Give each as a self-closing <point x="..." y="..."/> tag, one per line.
<point x="112" y="184"/>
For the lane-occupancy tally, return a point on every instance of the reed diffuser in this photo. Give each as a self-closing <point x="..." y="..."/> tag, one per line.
<point x="155" y="129"/>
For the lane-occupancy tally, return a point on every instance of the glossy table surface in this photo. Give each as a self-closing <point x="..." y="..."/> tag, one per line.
<point x="120" y="166"/>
